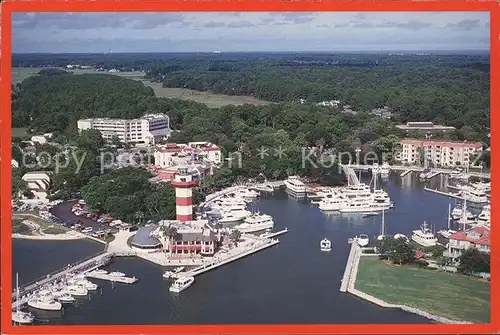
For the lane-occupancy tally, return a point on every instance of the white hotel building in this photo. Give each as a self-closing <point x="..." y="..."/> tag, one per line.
<point x="149" y="129"/>
<point x="440" y="153"/>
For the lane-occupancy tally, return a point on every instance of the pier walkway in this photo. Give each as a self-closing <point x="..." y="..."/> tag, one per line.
<point x="406" y="168"/>
<point x="346" y="279"/>
<point x="87" y="264"/>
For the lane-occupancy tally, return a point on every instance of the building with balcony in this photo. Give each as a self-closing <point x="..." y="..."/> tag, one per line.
<point x="478" y="237"/>
<point x="439" y="153"/>
<point x="149" y="129"/>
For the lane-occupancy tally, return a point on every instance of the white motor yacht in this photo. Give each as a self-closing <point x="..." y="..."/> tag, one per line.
<point x="246" y="194"/>
<point x="457" y="213"/>
<point x="256" y="222"/>
<point x="331" y="204"/>
<point x="485" y="216"/>
<point x="360" y="205"/>
<point x="476" y="196"/>
<point x="325" y="245"/>
<point x="66" y="298"/>
<point x="90" y="286"/>
<point x="294" y="184"/>
<point x="100" y="272"/>
<point x="44" y="300"/>
<point x="181" y="284"/>
<point x="363" y="240"/>
<point x="234" y="216"/>
<point x="77" y="290"/>
<point x="424" y="236"/>
<point x="116" y="274"/>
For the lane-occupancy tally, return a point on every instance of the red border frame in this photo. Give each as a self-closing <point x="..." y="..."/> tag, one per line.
<point x="237" y="5"/>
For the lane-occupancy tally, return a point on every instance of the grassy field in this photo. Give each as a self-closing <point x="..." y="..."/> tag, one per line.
<point x="45" y="226"/>
<point x="448" y="295"/>
<point x="210" y="99"/>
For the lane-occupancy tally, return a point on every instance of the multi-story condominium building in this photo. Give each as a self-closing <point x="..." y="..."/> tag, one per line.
<point x="149" y="129"/>
<point x="440" y="153"/>
<point x="478" y="237"/>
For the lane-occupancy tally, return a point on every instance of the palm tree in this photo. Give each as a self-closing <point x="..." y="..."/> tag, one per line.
<point x="171" y="233"/>
<point x="235" y="236"/>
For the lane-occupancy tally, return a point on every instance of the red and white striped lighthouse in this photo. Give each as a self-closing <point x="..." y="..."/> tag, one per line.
<point x="184" y="183"/>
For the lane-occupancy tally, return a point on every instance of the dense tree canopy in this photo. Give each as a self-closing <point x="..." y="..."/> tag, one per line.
<point x="127" y="194"/>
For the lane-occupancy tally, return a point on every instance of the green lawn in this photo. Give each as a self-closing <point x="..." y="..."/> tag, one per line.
<point x="448" y="295"/>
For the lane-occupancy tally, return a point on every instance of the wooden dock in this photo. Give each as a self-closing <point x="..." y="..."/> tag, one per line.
<point x="118" y="279"/>
<point x="446" y="194"/>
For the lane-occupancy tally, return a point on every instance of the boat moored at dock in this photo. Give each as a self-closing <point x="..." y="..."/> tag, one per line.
<point x="424" y="236"/>
<point x="294" y="184"/>
<point x="181" y="284"/>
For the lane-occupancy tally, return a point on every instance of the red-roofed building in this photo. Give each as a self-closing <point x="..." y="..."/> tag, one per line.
<point x="440" y="153"/>
<point x="478" y="237"/>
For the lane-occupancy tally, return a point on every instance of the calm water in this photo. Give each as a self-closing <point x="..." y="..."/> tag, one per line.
<point x="292" y="282"/>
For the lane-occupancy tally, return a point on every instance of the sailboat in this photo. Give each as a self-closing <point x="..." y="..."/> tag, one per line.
<point x="446" y="233"/>
<point x="19" y="316"/>
<point x="466" y="219"/>
<point x="382" y="228"/>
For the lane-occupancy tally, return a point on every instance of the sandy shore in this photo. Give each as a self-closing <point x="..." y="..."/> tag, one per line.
<point x="66" y="236"/>
<point x="38" y="234"/>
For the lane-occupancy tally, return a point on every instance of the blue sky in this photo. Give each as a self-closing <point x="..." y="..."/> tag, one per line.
<point x="191" y="32"/>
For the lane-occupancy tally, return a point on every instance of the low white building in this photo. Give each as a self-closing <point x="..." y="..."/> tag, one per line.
<point x="173" y="154"/>
<point x="38" y="183"/>
<point x="149" y="129"/>
<point x="440" y="153"/>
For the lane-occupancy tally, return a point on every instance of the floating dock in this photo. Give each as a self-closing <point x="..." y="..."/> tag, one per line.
<point x="278" y="233"/>
<point x="214" y="265"/>
<point x="446" y="194"/>
<point x="404" y="173"/>
<point x="117" y="279"/>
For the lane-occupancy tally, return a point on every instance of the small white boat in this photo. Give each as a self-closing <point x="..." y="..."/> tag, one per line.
<point x="181" y="284"/>
<point x="325" y="245"/>
<point x="90" y="286"/>
<point x="170" y="274"/>
<point x="66" y="298"/>
<point x="116" y="274"/>
<point x="363" y="240"/>
<point x="100" y="272"/>
<point x="22" y="318"/>
<point x="77" y="290"/>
